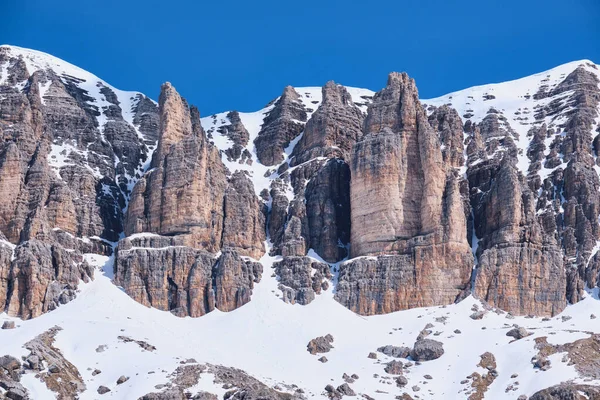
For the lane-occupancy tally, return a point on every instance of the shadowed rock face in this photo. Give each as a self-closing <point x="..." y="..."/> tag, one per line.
<point x="406" y="211"/>
<point x="318" y="216"/>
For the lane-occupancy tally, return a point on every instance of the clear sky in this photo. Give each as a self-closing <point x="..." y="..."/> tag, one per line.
<point x="224" y="55"/>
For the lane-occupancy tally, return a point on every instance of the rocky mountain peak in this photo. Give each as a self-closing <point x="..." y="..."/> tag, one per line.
<point x="336" y="94"/>
<point x="395" y="107"/>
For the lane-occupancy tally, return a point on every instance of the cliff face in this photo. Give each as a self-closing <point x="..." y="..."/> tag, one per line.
<point x="406" y="207"/>
<point x="191" y="210"/>
<point x="491" y="191"/>
<point x="60" y="196"/>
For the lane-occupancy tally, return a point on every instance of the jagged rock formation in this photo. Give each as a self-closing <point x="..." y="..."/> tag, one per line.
<point x="406" y="206"/>
<point x="332" y="129"/>
<point x="408" y="192"/>
<point x="521" y="263"/>
<point x="519" y="270"/>
<point x="237" y="133"/>
<point x="318" y="215"/>
<point x="59" y="194"/>
<point x="183" y="192"/>
<point x="192" y="211"/>
<point x="280" y="126"/>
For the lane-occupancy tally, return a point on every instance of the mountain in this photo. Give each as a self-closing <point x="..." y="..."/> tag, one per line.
<point x="339" y="242"/>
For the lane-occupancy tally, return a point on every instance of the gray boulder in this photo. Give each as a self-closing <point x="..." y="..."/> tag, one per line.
<point x="427" y="349"/>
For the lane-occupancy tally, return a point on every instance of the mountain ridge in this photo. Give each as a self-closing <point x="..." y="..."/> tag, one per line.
<point x="103" y="188"/>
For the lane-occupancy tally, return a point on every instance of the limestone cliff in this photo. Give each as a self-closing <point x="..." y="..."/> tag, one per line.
<point x="406" y="210"/>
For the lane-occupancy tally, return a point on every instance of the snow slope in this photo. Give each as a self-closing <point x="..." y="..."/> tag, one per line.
<point x="267" y="338"/>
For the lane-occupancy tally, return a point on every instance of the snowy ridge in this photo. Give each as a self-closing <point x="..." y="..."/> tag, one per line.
<point x="59" y="155"/>
<point x="515" y="101"/>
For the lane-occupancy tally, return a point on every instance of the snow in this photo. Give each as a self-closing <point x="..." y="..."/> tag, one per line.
<point x="37" y="389"/>
<point x="43" y="87"/>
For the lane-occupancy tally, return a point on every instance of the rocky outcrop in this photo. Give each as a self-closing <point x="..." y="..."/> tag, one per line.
<point x="60" y="376"/>
<point x="321" y="344"/>
<point x="49" y="366"/>
<point x="183" y="192"/>
<point x="520" y="270"/>
<point x="406" y="208"/>
<point x="427" y="350"/>
<point x="190" y="225"/>
<point x="282" y="124"/>
<point x="568" y="391"/>
<point x="301" y="278"/>
<point x="41" y="277"/>
<point x="57" y="189"/>
<point x="161" y="272"/>
<point x="332" y="129"/>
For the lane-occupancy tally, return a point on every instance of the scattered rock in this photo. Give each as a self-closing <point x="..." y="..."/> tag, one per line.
<point x="542" y="363"/>
<point x="401" y="381"/>
<point x="372" y="356"/>
<point x="103" y="390"/>
<point x="321" y="344"/>
<point x="478" y="315"/>
<point x="346" y="390"/>
<point x="395" y="351"/>
<point x="394" y="367"/>
<point x="518" y="333"/>
<point x="96" y="372"/>
<point x="8" y="325"/>
<point x="141" y="343"/>
<point x="122" y="379"/>
<point x="101" y="348"/>
<point x="323" y="359"/>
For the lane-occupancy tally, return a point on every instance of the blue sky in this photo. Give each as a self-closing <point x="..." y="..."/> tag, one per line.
<point x="225" y="55"/>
